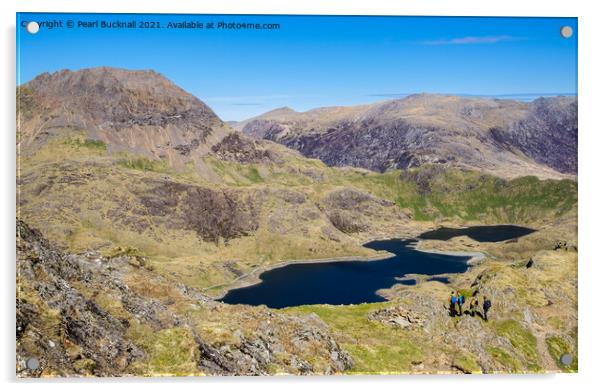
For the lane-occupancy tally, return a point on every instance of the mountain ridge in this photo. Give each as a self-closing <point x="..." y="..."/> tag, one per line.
<point x="504" y="137"/>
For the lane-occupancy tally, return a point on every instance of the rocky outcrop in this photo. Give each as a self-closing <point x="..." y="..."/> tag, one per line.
<point x="84" y="337"/>
<point x="398" y="317"/>
<point x="87" y="314"/>
<point x="353" y="211"/>
<point x="367" y="145"/>
<point x="236" y="147"/>
<point x="254" y="355"/>
<point x="212" y="213"/>
<point x="119" y="98"/>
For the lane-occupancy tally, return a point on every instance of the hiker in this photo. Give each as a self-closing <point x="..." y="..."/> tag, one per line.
<point x="474" y="304"/>
<point x="452" y="304"/>
<point x="460" y="300"/>
<point x="486" y="306"/>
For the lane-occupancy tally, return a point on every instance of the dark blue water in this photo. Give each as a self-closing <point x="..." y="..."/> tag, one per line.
<point x="354" y="282"/>
<point x="348" y="282"/>
<point x="485" y="233"/>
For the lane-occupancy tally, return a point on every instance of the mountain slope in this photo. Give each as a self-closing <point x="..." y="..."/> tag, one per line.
<point x="90" y="178"/>
<point x="130" y="111"/>
<point x="90" y="315"/>
<point x="548" y="134"/>
<point x="506" y="138"/>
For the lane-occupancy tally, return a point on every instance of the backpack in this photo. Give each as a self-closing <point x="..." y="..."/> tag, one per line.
<point x="461" y="299"/>
<point x="453" y="299"/>
<point x="487" y="304"/>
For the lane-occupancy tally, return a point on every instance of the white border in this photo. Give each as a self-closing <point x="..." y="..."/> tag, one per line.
<point x="590" y="192"/>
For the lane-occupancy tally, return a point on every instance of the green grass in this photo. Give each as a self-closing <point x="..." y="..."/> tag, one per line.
<point x="557" y="346"/>
<point x="252" y="174"/>
<point x="429" y="192"/>
<point x="87" y="144"/>
<point x="467" y="362"/>
<point x="434" y="193"/>
<point x="124" y="251"/>
<point x="522" y="340"/>
<point x="169" y="351"/>
<point x="504" y="358"/>
<point x="394" y="358"/>
<point x="374" y="347"/>
<point x="239" y="174"/>
<point x="144" y="164"/>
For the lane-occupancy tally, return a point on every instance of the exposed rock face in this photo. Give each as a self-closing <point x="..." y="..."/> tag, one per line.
<point x="260" y="128"/>
<point x="134" y="111"/>
<point x="549" y="133"/>
<point x="212" y="214"/>
<point x="238" y="148"/>
<point x="398" y="317"/>
<point x="83" y="323"/>
<point x="62" y="321"/>
<point x="254" y="355"/>
<point x="498" y="136"/>
<point x="352" y="211"/>
<point x="377" y="148"/>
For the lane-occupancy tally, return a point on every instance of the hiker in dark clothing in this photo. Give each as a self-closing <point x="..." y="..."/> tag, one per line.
<point x="486" y="306"/>
<point x="460" y="300"/>
<point x="452" y="304"/>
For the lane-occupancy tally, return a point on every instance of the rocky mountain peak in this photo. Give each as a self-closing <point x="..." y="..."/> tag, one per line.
<point x="114" y="96"/>
<point x="137" y="111"/>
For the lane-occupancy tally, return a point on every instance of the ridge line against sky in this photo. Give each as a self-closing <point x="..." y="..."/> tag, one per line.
<point x="317" y="61"/>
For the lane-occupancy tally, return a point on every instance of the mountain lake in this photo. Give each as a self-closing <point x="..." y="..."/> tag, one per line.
<point x="354" y="282"/>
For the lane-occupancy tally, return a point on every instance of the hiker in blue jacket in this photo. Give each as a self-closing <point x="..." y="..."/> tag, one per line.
<point x="460" y="300"/>
<point x="452" y="303"/>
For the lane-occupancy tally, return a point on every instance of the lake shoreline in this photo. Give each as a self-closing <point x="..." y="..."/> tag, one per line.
<point x="475" y="256"/>
<point x="253" y="277"/>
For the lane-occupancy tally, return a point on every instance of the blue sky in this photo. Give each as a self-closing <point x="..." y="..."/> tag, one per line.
<point x="313" y="61"/>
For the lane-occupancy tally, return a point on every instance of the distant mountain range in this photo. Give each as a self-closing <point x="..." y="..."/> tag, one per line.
<point x="143" y="112"/>
<point x="504" y="137"/>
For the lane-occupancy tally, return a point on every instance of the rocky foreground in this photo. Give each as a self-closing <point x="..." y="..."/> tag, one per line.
<point x="87" y="315"/>
<point x="92" y="315"/>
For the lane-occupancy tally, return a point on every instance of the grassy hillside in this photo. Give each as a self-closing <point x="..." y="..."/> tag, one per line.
<point x="84" y="197"/>
<point x="434" y="193"/>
